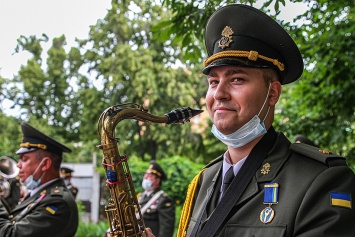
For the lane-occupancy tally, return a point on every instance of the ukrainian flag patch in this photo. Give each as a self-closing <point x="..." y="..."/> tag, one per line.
<point x="51" y="209"/>
<point x="340" y="199"/>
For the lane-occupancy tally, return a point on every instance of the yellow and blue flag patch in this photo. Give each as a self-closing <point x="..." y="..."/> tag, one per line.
<point x="340" y="199"/>
<point x="51" y="209"/>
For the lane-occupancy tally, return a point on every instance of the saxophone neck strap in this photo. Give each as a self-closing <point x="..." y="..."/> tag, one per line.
<point x="239" y="183"/>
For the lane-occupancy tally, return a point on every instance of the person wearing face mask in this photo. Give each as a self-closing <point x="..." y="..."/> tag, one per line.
<point x="157" y="208"/>
<point x="263" y="185"/>
<point x="49" y="209"/>
<point x="66" y="174"/>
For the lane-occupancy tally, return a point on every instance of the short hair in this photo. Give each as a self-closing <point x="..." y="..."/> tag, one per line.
<point x="270" y="75"/>
<point x="56" y="159"/>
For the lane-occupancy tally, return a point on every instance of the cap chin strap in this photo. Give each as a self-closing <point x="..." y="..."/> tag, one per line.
<point x="251" y="55"/>
<point x="29" y="145"/>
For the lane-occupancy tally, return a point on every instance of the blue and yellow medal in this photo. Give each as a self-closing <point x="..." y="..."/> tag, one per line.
<point x="271" y="196"/>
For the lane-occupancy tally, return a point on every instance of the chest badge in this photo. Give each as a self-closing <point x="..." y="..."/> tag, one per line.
<point x="266" y="168"/>
<point x="271" y="196"/>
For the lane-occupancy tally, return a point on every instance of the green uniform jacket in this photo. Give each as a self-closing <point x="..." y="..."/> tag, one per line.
<point x="160" y="216"/>
<point x="56" y="215"/>
<point x="306" y="179"/>
<point x="73" y="189"/>
<point x="15" y="193"/>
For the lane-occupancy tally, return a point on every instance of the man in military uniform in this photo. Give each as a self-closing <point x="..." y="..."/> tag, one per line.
<point x="262" y="185"/>
<point x="66" y="174"/>
<point x="10" y="186"/>
<point x="49" y="209"/>
<point x="15" y="195"/>
<point x="156" y="206"/>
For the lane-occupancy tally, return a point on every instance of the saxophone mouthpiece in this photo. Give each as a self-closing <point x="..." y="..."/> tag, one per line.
<point x="182" y="115"/>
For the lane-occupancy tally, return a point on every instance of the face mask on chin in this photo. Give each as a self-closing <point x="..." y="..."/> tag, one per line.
<point x="30" y="183"/>
<point x="253" y="129"/>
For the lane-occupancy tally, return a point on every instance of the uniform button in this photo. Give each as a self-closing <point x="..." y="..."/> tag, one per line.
<point x="13" y="222"/>
<point x="11" y="216"/>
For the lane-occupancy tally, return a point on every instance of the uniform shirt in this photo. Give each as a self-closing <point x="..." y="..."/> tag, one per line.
<point x="160" y="215"/>
<point x="227" y="164"/>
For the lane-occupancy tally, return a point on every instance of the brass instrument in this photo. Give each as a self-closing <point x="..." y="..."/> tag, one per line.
<point x="123" y="204"/>
<point x="8" y="170"/>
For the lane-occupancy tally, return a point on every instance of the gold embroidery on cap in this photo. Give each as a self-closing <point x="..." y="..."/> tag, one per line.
<point x="266" y="168"/>
<point x="227" y="38"/>
<point x="244" y="54"/>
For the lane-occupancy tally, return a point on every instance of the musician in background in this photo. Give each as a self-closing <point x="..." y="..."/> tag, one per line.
<point x="10" y="186"/>
<point x="66" y="174"/>
<point x="49" y="209"/>
<point x="15" y="193"/>
<point x="157" y="208"/>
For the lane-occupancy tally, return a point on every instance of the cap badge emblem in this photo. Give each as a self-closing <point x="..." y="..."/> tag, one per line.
<point x="226" y="38"/>
<point x="266" y="168"/>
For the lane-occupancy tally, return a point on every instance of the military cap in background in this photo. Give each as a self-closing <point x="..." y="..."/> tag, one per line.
<point x="33" y="139"/>
<point x="154" y="168"/>
<point x="66" y="172"/>
<point x="241" y="35"/>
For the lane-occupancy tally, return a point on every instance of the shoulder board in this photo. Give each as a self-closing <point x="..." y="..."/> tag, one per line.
<point x="212" y="162"/>
<point x="57" y="191"/>
<point x="318" y="154"/>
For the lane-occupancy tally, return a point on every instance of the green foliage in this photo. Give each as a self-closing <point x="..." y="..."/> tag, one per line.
<point x="179" y="170"/>
<point x="11" y="136"/>
<point x="130" y="56"/>
<point x="320" y="105"/>
<point x="91" y="230"/>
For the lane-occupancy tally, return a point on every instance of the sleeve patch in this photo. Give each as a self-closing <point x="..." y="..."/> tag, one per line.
<point x="340" y="199"/>
<point x="51" y="209"/>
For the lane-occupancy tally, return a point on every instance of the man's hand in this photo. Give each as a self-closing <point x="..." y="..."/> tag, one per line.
<point x="149" y="232"/>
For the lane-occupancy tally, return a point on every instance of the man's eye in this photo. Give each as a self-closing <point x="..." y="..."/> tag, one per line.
<point x="213" y="82"/>
<point x="237" y="79"/>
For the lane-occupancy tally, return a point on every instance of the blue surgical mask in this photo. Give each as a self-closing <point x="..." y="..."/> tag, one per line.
<point x="147" y="184"/>
<point x="247" y="133"/>
<point x="30" y="183"/>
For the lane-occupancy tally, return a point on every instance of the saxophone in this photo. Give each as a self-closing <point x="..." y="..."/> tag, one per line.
<point x="123" y="211"/>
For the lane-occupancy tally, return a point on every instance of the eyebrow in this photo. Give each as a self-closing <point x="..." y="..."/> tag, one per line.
<point x="229" y="72"/>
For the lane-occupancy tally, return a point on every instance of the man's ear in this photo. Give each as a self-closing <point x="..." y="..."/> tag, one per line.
<point x="275" y="92"/>
<point x="47" y="163"/>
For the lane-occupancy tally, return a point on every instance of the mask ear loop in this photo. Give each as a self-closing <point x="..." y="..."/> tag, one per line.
<point x="37" y="170"/>
<point x="268" y="91"/>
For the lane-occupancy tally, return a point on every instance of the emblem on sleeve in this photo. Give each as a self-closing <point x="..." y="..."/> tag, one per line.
<point x="226" y="38"/>
<point x="340" y="199"/>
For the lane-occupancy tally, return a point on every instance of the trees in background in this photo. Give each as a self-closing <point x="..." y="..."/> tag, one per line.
<point x="133" y="54"/>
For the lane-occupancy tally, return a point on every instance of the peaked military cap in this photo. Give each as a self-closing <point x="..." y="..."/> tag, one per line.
<point x="241" y="35"/>
<point x="33" y="139"/>
<point x="154" y="168"/>
<point x="65" y="171"/>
